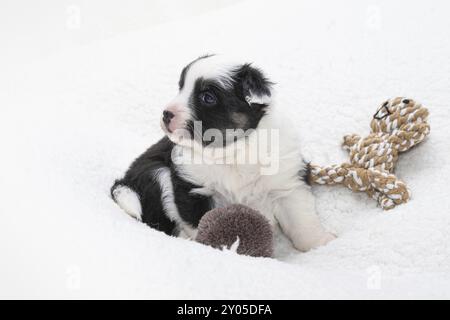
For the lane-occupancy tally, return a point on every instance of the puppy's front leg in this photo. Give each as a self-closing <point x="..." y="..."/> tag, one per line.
<point x="299" y="221"/>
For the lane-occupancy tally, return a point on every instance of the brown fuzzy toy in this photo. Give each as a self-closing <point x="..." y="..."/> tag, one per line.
<point x="239" y="228"/>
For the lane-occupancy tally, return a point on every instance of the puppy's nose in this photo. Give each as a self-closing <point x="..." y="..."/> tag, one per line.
<point x="167" y="116"/>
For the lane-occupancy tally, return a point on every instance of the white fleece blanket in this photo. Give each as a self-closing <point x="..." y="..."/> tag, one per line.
<point x="72" y="123"/>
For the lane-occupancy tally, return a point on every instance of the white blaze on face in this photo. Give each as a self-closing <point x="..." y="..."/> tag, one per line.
<point x="216" y="68"/>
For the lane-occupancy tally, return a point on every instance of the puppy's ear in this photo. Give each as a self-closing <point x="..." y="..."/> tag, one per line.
<point x="253" y="86"/>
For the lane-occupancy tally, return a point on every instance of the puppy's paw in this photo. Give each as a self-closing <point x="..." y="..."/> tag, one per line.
<point x="129" y="201"/>
<point x="315" y="242"/>
<point x="327" y="237"/>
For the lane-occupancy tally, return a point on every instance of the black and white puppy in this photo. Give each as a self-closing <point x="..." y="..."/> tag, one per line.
<point x="225" y="143"/>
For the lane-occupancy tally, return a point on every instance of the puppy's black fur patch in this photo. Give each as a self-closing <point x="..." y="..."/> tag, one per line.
<point x="231" y="110"/>
<point x="186" y="68"/>
<point x="141" y="179"/>
<point x="252" y="81"/>
<point x="305" y="174"/>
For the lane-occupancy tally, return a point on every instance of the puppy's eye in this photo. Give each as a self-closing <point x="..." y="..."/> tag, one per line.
<point x="208" y="98"/>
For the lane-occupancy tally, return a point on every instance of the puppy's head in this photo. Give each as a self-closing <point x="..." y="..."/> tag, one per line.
<point x="218" y="101"/>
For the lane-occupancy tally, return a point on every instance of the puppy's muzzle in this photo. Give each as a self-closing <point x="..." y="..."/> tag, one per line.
<point x="167" y="118"/>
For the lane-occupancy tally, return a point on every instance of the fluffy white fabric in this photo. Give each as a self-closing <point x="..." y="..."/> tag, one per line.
<point x="72" y="123"/>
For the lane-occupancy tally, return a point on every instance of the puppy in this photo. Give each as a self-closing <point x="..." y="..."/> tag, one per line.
<point x="226" y="143"/>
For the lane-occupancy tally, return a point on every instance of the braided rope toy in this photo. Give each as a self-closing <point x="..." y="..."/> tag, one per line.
<point x="398" y="125"/>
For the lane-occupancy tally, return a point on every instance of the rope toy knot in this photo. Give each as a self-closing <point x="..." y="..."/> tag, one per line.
<point x="398" y="125"/>
<point x="350" y="141"/>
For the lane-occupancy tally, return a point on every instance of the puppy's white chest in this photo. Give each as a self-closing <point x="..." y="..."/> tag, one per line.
<point x="231" y="184"/>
